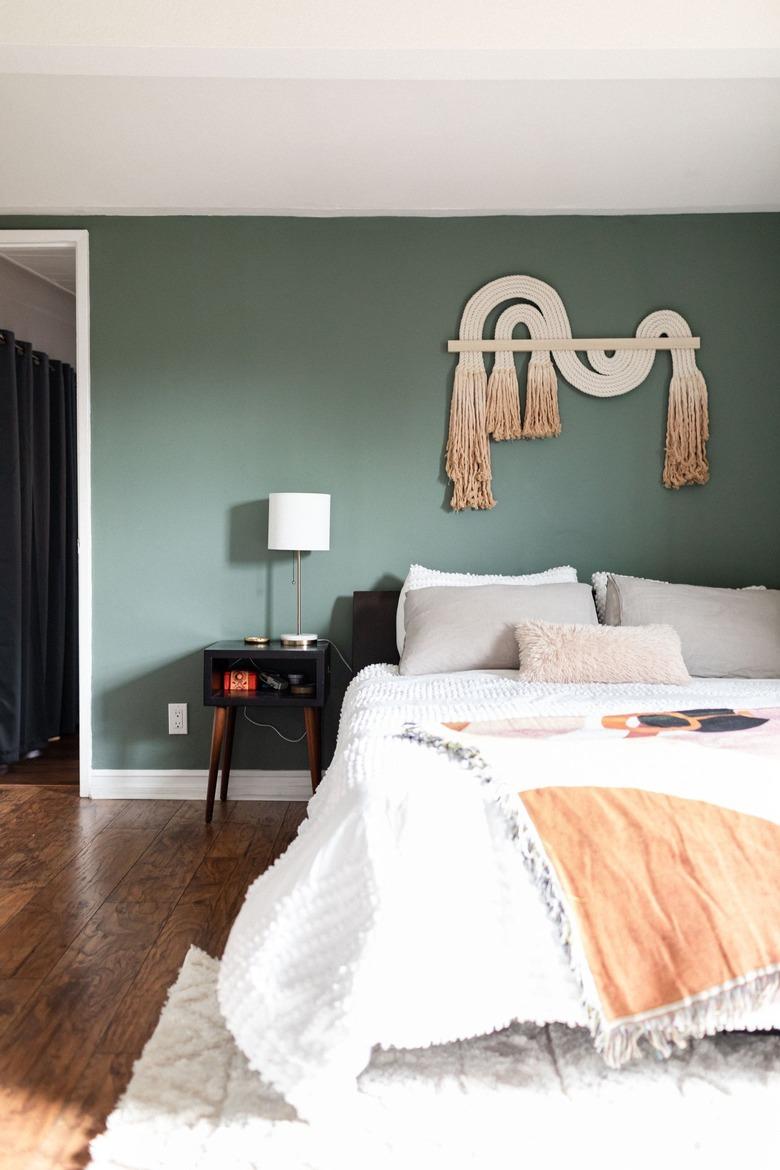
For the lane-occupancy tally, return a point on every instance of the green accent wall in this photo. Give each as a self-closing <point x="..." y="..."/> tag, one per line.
<point x="232" y="357"/>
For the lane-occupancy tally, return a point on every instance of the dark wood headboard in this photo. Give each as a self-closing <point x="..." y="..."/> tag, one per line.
<point x="373" y="627"/>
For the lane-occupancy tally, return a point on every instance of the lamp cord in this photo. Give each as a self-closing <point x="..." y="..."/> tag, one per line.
<point x="341" y="656"/>
<point x="270" y="726"/>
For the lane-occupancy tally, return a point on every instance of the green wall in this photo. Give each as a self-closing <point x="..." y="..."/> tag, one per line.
<point x="232" y="357"/>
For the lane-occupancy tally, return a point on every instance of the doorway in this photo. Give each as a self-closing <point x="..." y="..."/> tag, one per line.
<point x="44" y="347"/>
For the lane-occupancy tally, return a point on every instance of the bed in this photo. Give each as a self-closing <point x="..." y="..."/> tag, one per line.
<point x="403" y="914"/>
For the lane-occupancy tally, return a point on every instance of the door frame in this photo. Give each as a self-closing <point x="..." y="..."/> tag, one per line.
<point x="78" y="241"/>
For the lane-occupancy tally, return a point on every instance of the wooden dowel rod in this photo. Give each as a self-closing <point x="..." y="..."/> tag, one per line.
<point x="527" y="345"/>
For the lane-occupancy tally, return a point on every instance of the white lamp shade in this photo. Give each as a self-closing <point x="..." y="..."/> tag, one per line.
<point x="299" y="520"/>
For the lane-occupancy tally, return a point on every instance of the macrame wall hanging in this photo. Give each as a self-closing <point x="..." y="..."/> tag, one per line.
<point x="483" y="407"/>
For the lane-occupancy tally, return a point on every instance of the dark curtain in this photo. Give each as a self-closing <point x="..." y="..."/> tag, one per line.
<point x="38" y="550"/>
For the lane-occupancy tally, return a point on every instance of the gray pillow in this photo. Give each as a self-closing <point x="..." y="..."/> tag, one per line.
<point x="448" y="628"/>
<point x="725" y="633"/>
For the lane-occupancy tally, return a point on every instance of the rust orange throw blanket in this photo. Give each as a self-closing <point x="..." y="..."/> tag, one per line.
<point x="664" y="878"/>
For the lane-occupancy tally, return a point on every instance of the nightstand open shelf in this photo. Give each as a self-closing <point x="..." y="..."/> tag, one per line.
<point x="312" y="662"/>
<point x="258" y="699"/>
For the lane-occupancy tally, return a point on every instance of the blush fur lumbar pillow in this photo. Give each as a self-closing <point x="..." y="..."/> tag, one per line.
<point x="556" y="652"/>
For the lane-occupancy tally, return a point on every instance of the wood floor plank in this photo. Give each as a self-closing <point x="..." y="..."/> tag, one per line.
<point x="40" y="933"/>
<point x="255" y="812"/>
<point x="11" y="794"/>
<point x="12" y="898"/>
<point x="178" y="864"/>
<point x="232" y="840"/>
<point x="46" y="1048"/>
<point x="202" y="917"/>
<point x="191" y="923"/>
<point x="167" y="865"/>
<point x="96" y="943"/>
<point x="293" y="817"/>
<point x="15" y="994"/>
<point x="268" y="819"/>
<point x="148" y="814"/>
<point x="45" y="833"/>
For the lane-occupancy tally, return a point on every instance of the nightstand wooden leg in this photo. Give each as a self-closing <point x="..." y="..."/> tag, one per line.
<point x="228" y="752"/>
<point x="311" y="716"/>
<point x="217" y="735"/>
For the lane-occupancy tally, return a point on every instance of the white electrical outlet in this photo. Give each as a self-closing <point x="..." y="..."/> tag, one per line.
<point x="177" y="719"/>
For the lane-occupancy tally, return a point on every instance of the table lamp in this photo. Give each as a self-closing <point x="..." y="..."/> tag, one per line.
<point x="298" y="521"/>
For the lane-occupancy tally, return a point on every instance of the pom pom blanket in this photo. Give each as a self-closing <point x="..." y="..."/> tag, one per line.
<point x="668" y="905"/>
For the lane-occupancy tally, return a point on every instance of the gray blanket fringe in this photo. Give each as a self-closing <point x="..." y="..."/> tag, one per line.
<point x="672" y="1026"/>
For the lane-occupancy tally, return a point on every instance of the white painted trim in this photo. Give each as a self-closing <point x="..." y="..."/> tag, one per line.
<point x="78" y="239"/>
<point x="190" y="784"/>
<point x="300" y="63"/>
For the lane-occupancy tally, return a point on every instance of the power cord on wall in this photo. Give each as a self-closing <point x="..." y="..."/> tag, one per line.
<point x="270" y="726"/>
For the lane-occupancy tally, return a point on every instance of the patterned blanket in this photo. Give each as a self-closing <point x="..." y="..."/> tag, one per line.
<point x="655" y="839"/>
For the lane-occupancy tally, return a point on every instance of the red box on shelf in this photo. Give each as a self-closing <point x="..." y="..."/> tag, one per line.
<point x="239" y="680"/>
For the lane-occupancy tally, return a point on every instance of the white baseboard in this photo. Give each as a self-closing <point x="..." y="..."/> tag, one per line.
<point x="190" y="784"/>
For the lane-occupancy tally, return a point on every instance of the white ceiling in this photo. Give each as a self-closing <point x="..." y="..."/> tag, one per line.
<point x="414" y="106"/>
<point x="56" y="263"/>
<point x="396" y="24"/>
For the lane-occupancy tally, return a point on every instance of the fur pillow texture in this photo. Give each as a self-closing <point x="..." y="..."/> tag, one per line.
<point x="552" y="652"/>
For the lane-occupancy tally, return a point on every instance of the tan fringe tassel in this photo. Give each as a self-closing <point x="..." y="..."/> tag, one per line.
<point x="503" y="404"/>
<point x="542" y="420"/>
<point x="687" y="431"/>
<point x="468" y="451"/>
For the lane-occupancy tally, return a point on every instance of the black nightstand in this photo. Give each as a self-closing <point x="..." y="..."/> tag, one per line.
<point x="313" y="663"/>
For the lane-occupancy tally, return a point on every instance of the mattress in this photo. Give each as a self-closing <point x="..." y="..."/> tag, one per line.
<point x="402" y="915"/>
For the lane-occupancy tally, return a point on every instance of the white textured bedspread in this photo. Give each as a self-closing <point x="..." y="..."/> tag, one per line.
<point x="402" y="915"/>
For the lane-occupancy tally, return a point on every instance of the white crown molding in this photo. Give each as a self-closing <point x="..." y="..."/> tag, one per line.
<point x="190" y="784"/>
<point x="333" y="64"/>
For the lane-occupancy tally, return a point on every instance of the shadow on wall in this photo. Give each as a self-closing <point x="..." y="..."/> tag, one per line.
<point x="133" y="718"/>
<point x="341" y="614"/>
<point x="247" y="544"/>
<point x="248" y="532"/>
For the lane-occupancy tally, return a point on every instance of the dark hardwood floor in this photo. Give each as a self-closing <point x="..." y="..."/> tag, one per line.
<point x="99" y="901"/>
<point x="57" y="764"/>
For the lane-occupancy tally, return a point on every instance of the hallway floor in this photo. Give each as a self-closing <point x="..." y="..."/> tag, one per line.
<point x="59" y="764"/>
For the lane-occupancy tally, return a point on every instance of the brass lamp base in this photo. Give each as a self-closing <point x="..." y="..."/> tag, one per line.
<point x="299" y="640"/>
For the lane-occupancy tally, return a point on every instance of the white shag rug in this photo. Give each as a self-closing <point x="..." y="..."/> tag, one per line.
<point x="517" y="1098"/>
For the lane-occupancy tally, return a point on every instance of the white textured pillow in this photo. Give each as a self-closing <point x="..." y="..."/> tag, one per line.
<point x="556" y="653"/>
<point x="600" y="580"/>
<point x="419" y="577"/>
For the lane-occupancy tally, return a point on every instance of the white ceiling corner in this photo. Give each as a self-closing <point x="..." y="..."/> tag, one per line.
<point x="54" y="263"/>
